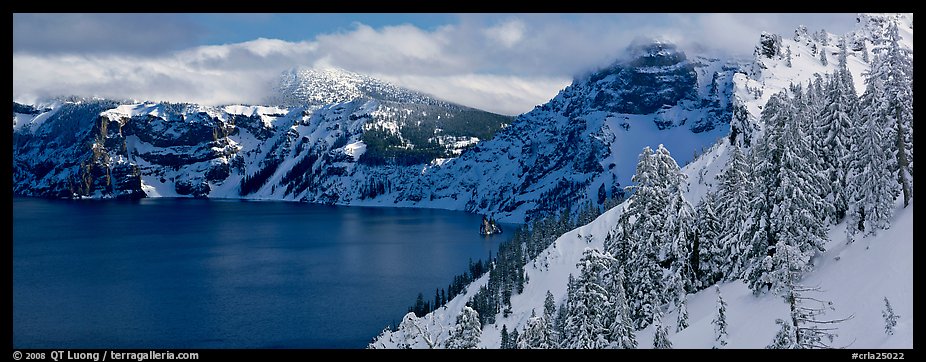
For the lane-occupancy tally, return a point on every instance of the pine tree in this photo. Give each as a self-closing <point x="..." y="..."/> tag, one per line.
<point x="788" y="57"/>
<point x="784" y="339"/>
<point x="823" y="57"/>
<point x="549" y="315"/>
<point x="559" y="324"/>
<point x="619" y="323"/>
<point x="536" y="335"/>
<point x="864" y="51"/>
<point x="505" y="339"/>
<point x="741" y="127"/>
<point x="661" y="333"/>
<point x="710" y="227"/>
<point x="419" y="308"/>
<point x="720" y="321"/>
<point x="682" y="229"/>
<point x="833" y="130"/>
<point x="895" y="69"/>
<point x="467" y="331"/>
<point x="549" y="307"/>
<point x="513" y="339"/>
<point x="766" y="158"/>
<point x="585" y="326"/>
<point x="890" y="319"/>
<point x="733" y="201"/>
<point x="870" y="187"/>
<point x="662" y="234"/>
<point x="794" y="227"/>
<point x="682" y="321"/>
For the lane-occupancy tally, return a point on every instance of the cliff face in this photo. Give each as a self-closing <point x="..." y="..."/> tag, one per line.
<point x="369" y="143"/>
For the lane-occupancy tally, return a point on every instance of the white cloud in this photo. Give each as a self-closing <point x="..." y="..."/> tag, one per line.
<point x="508" y="33"/>
<point x="494" y="93"/>
<point x="505" y="65"/>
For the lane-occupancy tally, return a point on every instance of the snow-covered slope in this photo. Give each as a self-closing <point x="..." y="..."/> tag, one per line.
<point x="582" y="145"/>
<point x="309" y="152"/>
<point x="346" y="138"/>
<point x="317" y="87"/>
<point x="855" y="277"/>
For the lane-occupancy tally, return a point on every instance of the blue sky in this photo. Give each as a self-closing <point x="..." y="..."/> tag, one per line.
<point x="505" y="63"/>
<point x="235" y="28"/>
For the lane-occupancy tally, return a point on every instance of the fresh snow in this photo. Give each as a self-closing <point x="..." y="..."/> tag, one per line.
<point x="855" y="277"/>
<point x="355" y="150"/>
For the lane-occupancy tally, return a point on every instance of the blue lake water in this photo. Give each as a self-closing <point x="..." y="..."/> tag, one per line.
<point x="184" y="273"/>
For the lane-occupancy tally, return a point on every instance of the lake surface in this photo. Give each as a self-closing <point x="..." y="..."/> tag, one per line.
<point x="185" y="273"/>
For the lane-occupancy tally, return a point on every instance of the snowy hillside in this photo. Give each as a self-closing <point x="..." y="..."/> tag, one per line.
<point x="345" y="138"/>
<point x="856" y="277"/>
<point x="317" y="87"/>
<point x="581" y="146"/>
<point x="345" y="121"/>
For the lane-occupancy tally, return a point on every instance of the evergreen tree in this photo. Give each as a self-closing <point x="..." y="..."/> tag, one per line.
<point x="586" y="318"/>
<point x="833" y="130"/>
<point x="559" y="324"/>
<point x="620" y="325"/>
<point x="505" y="339"/>
<point x="890" y="319"/>
<point x="570" y="287"/>
<point x="823" y="57"/>
<point x="895" y="69"/>
<point x="419" y="308"/>
<point x="513" y="339"/>
<point x="734" y="203"/>
<point x="788" y="57"/>
<point x="661" y="333"/>
<point x="784" y="339"/>
<point x="766" y="158"/>
<point x="549" y="315"/>
<point x="794" y="229"/>
<point x="741" y="127"/>
<point x="720" y="321"/>
<point x="536" y="335"/>
<point x="467" y="331"/>
<point x="549" y="307"/>
<point x="865" y="51"/>
<point x="661" y="235"/>
<point x="870" y="187"/>
<point x="682" y="229"/>
<point x="710" y="227"/>
<point x="682" y="321"/>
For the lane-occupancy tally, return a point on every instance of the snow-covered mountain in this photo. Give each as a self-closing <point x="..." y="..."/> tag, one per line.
<point x="102" y="148"/>
<point x="856" y="277"/>
<point x="317" y="87"/>
<point x="344" y="138"/>
<point x="581" y="146"/>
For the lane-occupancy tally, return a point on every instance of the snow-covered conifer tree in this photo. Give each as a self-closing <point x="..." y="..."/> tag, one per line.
<point x="467" y="331"/>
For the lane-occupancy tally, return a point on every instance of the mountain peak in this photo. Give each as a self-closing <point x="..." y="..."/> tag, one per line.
<point x="319" y="86"/>
<point x="654" y="53"/>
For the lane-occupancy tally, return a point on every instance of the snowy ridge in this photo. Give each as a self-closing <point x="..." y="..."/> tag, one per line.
<point x="312" y="151"/>
<point x="856" y="277"/>
<point x="325" y="85"/>
<point x="580" y="147"/>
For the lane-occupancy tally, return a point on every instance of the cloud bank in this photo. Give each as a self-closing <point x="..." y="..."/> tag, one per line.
<point x="501" y="63"/>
